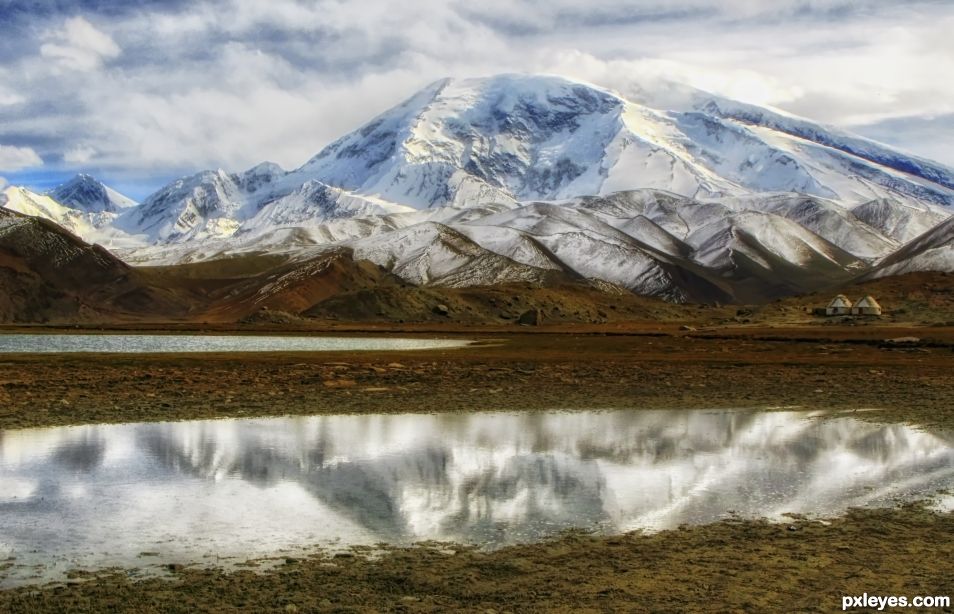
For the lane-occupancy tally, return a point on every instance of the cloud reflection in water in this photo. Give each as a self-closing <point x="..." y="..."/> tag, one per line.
<point x="100" y="495"/>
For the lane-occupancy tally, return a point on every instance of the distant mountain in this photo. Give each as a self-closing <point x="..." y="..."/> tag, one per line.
<point x="80" y="222"/>
<point x="87" y="194"/>
<point x="653" y="243"/>
<point x="520" y="178"/>
<point x="517" y="138"/>
<point x="524" y="137"/>
<point x="868" y="161"/>
<point x="217" y="205"/>
<point x="83" y="206"/>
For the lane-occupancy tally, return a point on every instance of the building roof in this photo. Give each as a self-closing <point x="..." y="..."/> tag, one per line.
<point x="840" y="301"/>
<point x="868" y="301"/>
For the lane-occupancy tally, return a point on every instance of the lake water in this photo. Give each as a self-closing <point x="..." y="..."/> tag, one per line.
<point x="210" y="492"/>
<point x="135" y="344"/>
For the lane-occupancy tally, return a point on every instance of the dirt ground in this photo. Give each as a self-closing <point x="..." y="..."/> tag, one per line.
<point x="725" y="567"/>
<point x="739" y="368"/>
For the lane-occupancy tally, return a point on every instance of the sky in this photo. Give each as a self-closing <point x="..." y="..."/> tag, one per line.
<point x="140" y="93"/>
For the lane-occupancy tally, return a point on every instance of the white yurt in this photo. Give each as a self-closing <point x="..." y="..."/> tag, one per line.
<point x="839" y="306"/>
<point x="867" y="306"/>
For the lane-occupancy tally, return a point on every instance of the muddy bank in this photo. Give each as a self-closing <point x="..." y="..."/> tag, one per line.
<point x="801" y="566"/>
<point x="505" y="372"/>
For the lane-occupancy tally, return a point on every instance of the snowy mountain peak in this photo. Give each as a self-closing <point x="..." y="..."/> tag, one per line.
<point x="509" y="137"/>
<point x="529" y="137"/>
<point x="87" y="194"/>
<point x="514" y="177"/>
<point x="260" y="174"/>
<point x="202" y="206"/>
<point x="834" y="138"/>
<point x="94" y="226"/>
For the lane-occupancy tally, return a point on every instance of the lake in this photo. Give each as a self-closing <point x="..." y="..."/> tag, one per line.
<point x="135" y="344"/>
<point x="211" y="492"/>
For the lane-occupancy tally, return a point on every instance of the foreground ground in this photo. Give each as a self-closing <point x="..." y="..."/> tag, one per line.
<point x="733" y="566"/>
<point x="727" y="567"/>
<point x="843" y="369"/>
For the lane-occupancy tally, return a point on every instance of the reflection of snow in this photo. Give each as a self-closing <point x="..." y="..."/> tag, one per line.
<point x="252" y="487"/>
<point x="944" y="503"/>
<point x="211" y="343"/>
<point x="12" y="488"/>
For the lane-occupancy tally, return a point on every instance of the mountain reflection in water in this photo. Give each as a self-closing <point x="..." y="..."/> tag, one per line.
<point x="97" y="495"/>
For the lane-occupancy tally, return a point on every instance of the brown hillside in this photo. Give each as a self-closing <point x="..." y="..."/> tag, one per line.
<point x="49" y="275"/>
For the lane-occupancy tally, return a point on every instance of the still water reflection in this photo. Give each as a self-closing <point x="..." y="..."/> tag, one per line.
<point x="140" y="343"/>
<point x="103" y="495"/>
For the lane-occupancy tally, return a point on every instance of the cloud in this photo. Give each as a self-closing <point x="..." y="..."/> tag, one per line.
<point x="916" y="134"/>
<point x="8" y="98"/>
<point x="175" y="87"/>
<point x="78" y="45"/>
<point x="17" y="158"/>
<point x="667" y="83"/>
<point x="3" y="183"/>
<point x="80" y="154"/>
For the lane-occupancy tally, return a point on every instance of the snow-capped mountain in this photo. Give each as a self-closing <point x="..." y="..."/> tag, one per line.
<point x="932" y="251"/>
<point x="217" y="205"/>
<point x="432" y="253"/>
<point x="548" y="138"/>
<point x="868" y="160"/>
<point x="207" y="205"/>
<point x="828" y="220"/>
<point x="86" y="224"/>
<point x="650" y="262"/>
<point x="518" y="138"/>
<point x="88" y="209"/>
<point x="517" y="177"/>
<point x="85" y="193"/>
<point x="901" y="222"/>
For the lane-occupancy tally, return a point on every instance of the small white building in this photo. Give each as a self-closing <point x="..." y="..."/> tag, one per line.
<point x="867" y="306"/>
<point x="839" y="306"/>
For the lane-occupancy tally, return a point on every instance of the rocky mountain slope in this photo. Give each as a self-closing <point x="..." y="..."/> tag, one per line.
<point x="932" y="251"/>
<point x="517" y="138"/>
<point x="217" y="205"/>
<point x="48" y="274"/>
<point x="524" y="179"/>
<point x="85" y="193"/>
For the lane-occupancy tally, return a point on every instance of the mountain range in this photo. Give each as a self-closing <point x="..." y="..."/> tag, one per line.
<point x="520" y="178"/>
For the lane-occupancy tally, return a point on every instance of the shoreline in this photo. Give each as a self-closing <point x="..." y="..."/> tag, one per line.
<point x="802" y="565"/>
<point x="525" y="371"/>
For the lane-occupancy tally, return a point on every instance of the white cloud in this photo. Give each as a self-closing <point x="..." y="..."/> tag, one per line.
<point x="80" y="154"/>
<point x="78" y="45"/>
<point x="656" y="81"/>
<point x="17" y="158"/>
<point x="3" y="182"/>
<point x="8" y="95"/>
<point x="10" y="98"/>
<point x="232" y="82"/>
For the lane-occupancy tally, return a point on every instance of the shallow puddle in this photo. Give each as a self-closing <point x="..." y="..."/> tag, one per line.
<point x="211" y="492"/>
